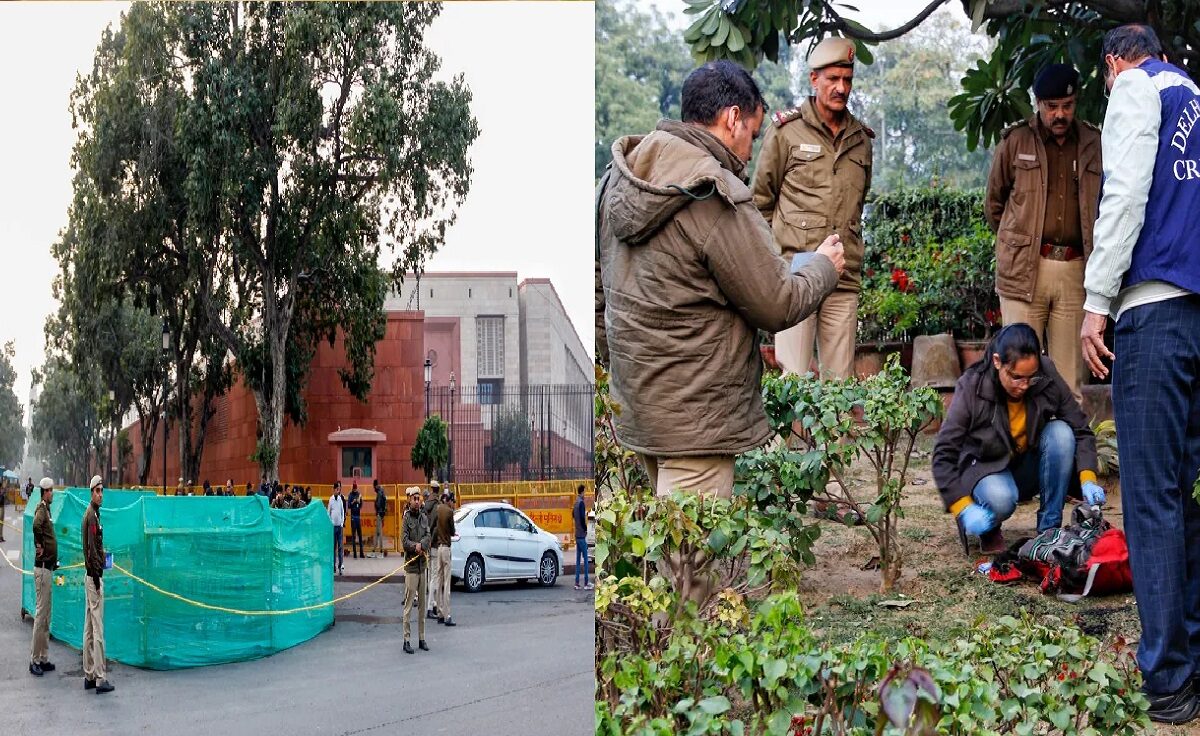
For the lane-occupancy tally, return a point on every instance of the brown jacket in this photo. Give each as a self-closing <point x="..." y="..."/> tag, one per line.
<point x="443" y="525"/>
<point x="414" y="531"/>
<point x="975" y="440"/>
<point x="1016" y="201"/>
<point x="93" y="542"/>
<point x="688" y="273"/>
<point x="809" y="186"/>
<point x="43" y="534"/>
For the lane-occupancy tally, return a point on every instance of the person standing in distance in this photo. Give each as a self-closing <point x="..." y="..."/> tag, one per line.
<point x="337" y="517"/>
<point x="93" y="622"/>
<point x="45" y="546"/>
<point x="355" y="503"/>
<point x="813" y="174"/>
<point x="579" y="515"/>
<point x="380" y="515"/>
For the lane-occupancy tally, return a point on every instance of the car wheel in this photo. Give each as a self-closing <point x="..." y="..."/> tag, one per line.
<point x="548" y="569"/>
<point x="473" y="574"/>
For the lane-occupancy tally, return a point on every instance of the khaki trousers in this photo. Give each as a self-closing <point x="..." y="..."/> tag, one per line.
<point x="441" y="585"/>
<point x="431" y="572"/>
<point x="1056" y="315"/>
<point x="93" y="631"/>
<point x="39" y="652"/>
<point x="414" y="588"/>
<point x="710" y="475"/>
<point x="707" y="475"/>
<point x="833" y="328"/>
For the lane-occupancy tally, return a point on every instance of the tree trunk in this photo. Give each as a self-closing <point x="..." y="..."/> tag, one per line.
<point x="148" y="424"/>
<point x="890" y="556"/>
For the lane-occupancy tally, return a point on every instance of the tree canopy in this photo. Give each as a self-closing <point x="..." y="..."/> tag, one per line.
<point x="240" y="169"/>
<point x="1029" y="34"/>
<point x="12" y="433"/>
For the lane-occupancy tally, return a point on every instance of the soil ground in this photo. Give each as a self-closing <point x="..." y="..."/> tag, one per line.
<point x="950" y="598"/>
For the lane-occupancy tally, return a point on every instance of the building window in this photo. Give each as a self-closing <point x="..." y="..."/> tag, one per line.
<point x="489" y="346"/>
<point x="491" y="391"/>
<point x="356" y="457"/>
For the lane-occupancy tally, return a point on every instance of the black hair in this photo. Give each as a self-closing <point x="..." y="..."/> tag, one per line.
<point x="1132" y="42"/>
<point x="580" y="488"/>
<point x="1014" y="342"/>
<point x="715" y="86"/>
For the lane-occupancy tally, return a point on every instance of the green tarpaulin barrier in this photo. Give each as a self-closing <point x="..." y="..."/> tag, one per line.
<point x="230" y="552"/>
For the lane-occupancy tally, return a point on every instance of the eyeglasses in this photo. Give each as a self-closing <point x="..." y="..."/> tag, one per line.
<point x="1019" y="380"/>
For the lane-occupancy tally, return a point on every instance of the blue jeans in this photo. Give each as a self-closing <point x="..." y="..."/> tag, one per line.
<point x="337" y="547"/>
<point x="1156" y="404"/>
<point x="581" y="553"/>
<point x="1047" y="467"/>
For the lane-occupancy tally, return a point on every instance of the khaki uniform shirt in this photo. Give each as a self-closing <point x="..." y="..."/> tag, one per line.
<point x="811" y="183"/>
<point x="43" y="534"/>
<point x="1061" y="225"/>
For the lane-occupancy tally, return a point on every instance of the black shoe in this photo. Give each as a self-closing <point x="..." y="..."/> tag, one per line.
<point x="422" y="645"/>
<point x="962" y="539"/>
<point x="449" y="621"/>
<point x="430" y="614"/>
<point x="35" y="669"/>
<point x="407" y="647"/>
<point x="441" y="620"/>
<point x="89" y="684"/>
<point x="104" y="687"/>
<point x="47" y="666"/>
<point x="1178" y="707"/>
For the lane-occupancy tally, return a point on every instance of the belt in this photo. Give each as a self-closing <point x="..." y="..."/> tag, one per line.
<point x="1060" y="252"/>
<point x="45" y="566"/>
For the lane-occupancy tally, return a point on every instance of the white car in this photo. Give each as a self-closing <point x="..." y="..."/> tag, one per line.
<point x="495" y="541"/>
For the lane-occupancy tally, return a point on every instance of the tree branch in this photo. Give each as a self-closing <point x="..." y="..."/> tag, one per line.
<point x="839" y="23"/>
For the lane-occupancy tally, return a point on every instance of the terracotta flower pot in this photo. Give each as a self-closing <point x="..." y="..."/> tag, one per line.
<point x="971" y="352"/>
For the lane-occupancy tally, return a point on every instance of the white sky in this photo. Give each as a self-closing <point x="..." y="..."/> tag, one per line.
<point x="529" y="208"/>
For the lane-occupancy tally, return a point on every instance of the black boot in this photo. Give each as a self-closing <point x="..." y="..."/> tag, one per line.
<point x="35" y="669"/>
<point x="422" y="645"/>
<point x="407" y="647"/>
<point x="1178" y="707"/>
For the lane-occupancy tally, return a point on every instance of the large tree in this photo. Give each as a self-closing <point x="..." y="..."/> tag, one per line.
<point x="64" y="418"/>
<point x="251" y="161"/>
<point x="1029" y="34"/>
<point x="12" y="433"/>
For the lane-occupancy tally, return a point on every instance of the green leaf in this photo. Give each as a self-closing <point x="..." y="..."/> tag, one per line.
<point x="714" y="706"/>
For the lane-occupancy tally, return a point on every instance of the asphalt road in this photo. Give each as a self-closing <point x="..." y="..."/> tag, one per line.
<point x="519" y="662"/>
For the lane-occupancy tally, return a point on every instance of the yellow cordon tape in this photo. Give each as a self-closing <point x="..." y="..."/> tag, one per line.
<point x="223" y="609"/>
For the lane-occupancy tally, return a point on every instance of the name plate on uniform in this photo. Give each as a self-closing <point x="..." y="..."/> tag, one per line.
<point x="1026" y="157"/>
<point x="810" y="147"/>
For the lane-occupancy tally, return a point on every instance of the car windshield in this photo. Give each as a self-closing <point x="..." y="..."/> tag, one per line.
<point x="460" y="515"/>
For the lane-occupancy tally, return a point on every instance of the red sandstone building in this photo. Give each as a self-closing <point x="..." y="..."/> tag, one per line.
<point x="515" y="359"/>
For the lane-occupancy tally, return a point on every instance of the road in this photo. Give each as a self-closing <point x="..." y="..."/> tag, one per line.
<point x="519" y="662"/>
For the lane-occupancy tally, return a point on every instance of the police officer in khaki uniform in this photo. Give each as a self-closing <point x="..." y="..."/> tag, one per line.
<point x="415" y="541"/>
<point x="45" y="562"/>
<point x="812" y="178"/>
<point x="1042" y="196"/>
<point x="93" y="622"/>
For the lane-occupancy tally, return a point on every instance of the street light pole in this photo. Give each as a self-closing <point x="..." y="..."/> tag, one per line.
<point x="428" y="378"/>
<point x="166" y="347"/>
<point x="451" y="427"/>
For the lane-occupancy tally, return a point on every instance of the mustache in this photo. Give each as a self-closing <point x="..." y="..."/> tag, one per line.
<point x="1058" y="121"/>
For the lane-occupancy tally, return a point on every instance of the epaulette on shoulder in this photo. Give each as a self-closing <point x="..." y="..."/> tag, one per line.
<point x="1086" y="124"/>
<point x="783" y="117"/>
<point x="867" y="129"/>
<point x="1008" y="131"/>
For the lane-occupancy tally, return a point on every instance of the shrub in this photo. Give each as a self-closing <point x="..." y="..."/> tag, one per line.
<point x="877" y="419"/>
<point x="929" y="266"/>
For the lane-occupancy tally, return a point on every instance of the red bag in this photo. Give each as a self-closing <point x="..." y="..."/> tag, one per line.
<point x="1103" y="570"/>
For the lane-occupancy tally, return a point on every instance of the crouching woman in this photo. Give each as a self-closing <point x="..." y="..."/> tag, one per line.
<point x="1013" y="431"/>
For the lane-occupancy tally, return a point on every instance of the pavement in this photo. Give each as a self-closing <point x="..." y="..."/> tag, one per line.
<point x="520" y="661"/>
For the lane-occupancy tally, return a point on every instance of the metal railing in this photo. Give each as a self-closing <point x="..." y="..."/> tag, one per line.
<point x="524" y="433"/>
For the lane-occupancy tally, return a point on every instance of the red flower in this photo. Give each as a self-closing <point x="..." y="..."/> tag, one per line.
<point x="991" y="317"/>
<point x="900" y="279"/>
<point x="904" y="238"/>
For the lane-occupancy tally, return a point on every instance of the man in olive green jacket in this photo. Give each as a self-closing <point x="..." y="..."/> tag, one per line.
<point x="414" y="536"/>
<point x="687" y="273"/>
<point x="45" y="562"/>
<point x="813" y="174"/>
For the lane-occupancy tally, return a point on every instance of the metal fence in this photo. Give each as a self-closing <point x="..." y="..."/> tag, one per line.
<point x="518" y="433"/>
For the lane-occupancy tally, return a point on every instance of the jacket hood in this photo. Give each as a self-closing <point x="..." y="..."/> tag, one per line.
<point x="656" y="175"/>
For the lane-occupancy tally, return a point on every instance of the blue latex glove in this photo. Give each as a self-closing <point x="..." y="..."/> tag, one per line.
<point x="976" y="519"/>
<point x="1093" y="493"/>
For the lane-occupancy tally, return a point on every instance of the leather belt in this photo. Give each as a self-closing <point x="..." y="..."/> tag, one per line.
<point x="1060" y="252"/>
<point x="44" y="566"/>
